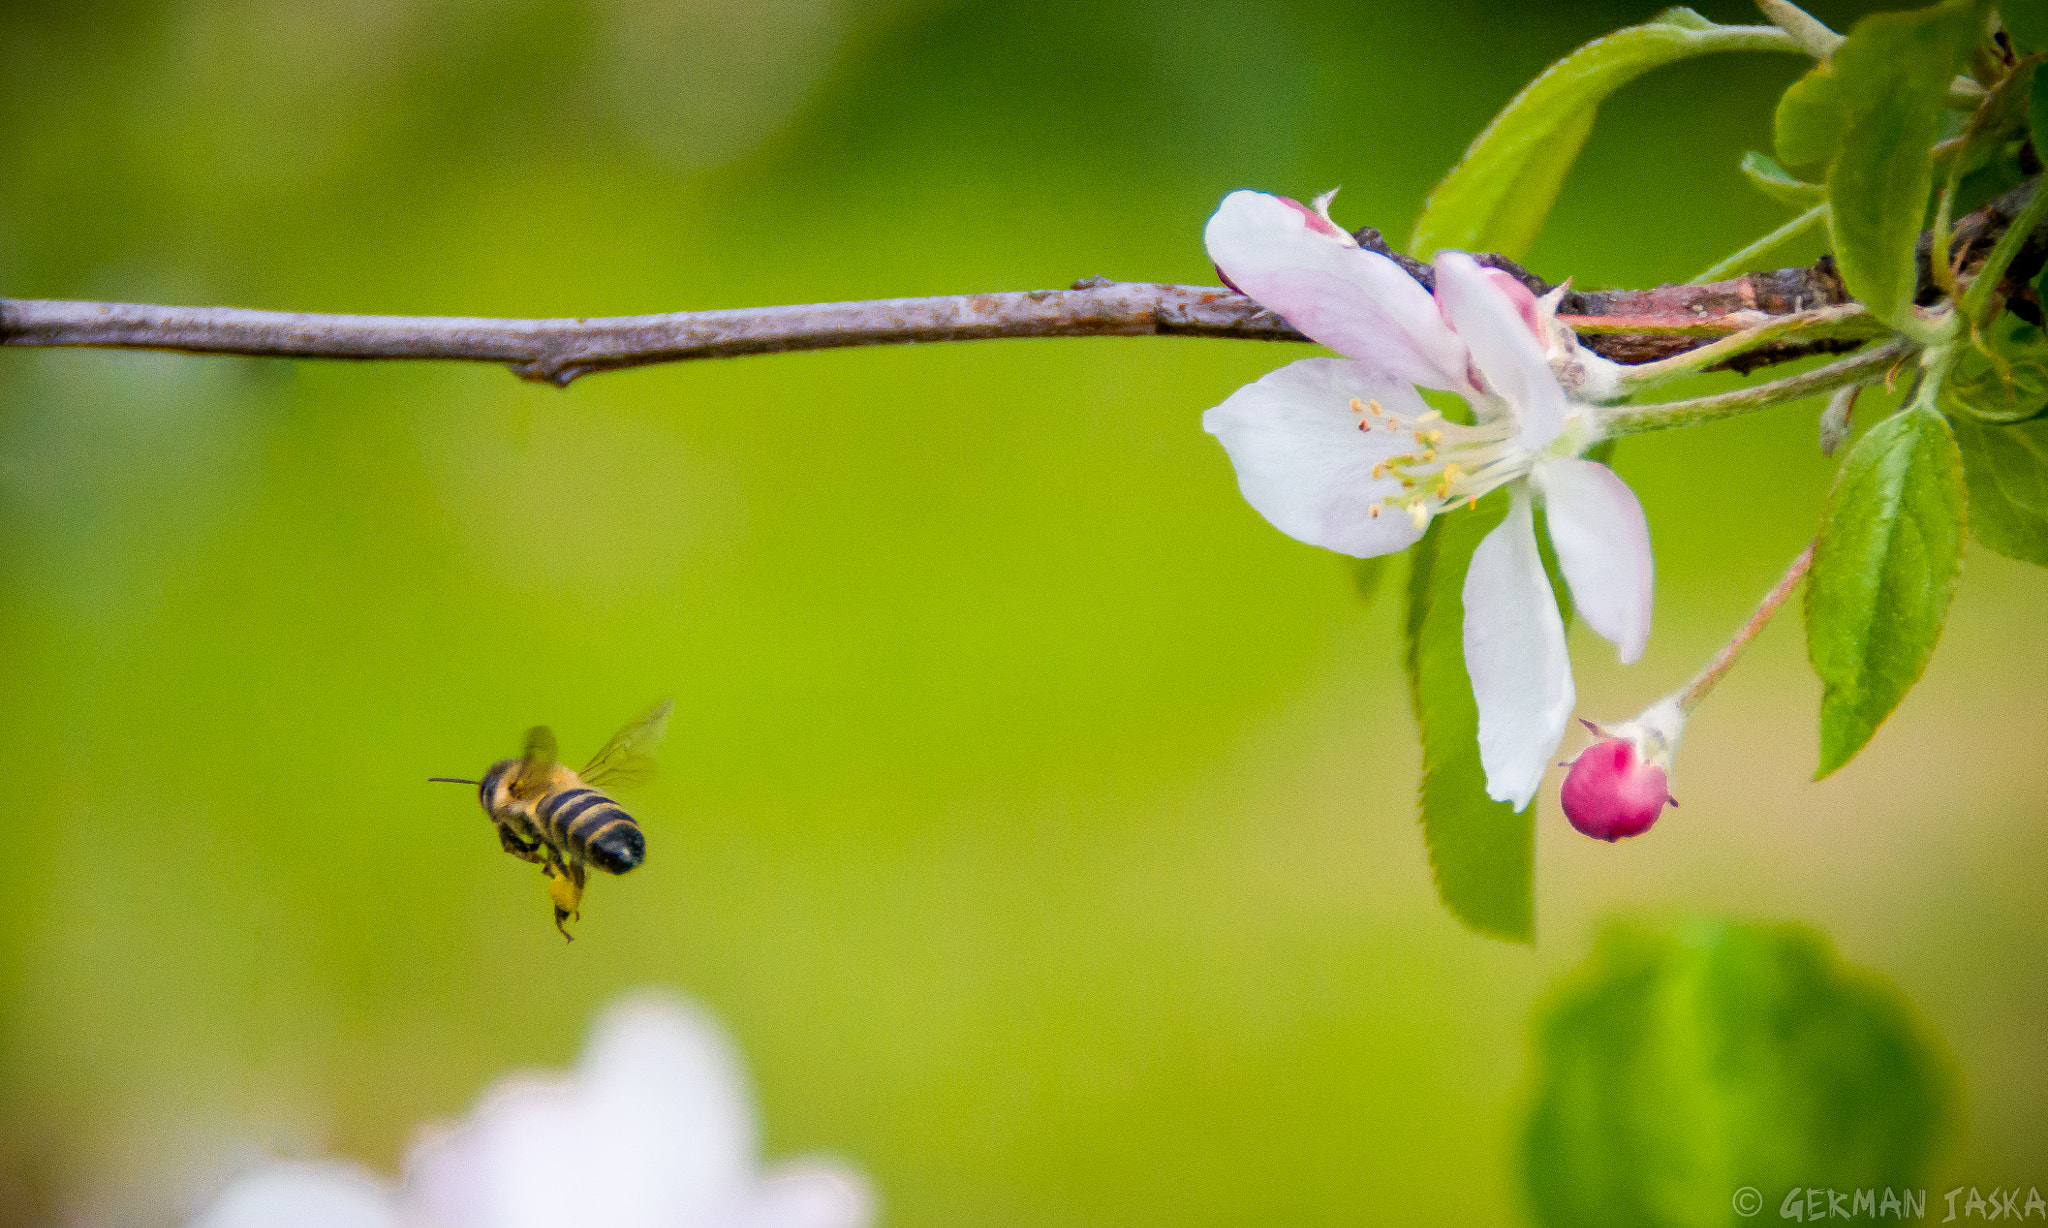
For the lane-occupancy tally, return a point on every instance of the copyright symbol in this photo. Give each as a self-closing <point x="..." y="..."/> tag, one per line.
<point x="1748" y="1201"/>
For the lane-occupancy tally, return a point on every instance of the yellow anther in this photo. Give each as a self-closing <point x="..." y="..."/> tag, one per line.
<point x="1443" y="490"/>
<point x="1357" y="406"/>
<point x="1379" y="469"/>
<point x="1431" y="416"/>
<point x="1419" y="514"/>
<point x="1471" y="502"/>
<point x="1428" y="454"/>
<point x="1374" y="406"/>
<point x="1375" y="511"/>
<point x="1451" y="472"/>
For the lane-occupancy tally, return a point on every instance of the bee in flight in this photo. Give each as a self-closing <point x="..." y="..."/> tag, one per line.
<point x="561" y="820"/>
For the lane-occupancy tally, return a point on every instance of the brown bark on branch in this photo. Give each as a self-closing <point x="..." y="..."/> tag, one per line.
<point x="1633" y="326"/>
<point x="1626" y="325"/>
<point x="558" y="351"/>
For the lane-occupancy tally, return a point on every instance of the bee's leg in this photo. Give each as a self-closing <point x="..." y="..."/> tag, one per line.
<point x="567" y="892"/>
<point x="524" y="850"/>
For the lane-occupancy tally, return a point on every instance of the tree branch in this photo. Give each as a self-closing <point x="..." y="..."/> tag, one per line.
<point x="1631" y="325"/>
<point x="558" y="351"/>
<point x="1626" y="325"/>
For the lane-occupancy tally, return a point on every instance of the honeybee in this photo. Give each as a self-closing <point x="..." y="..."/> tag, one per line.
<point x="560" y="820"/>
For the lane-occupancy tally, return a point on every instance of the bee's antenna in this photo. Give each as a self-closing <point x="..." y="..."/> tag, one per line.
<point x="451" y="780"/>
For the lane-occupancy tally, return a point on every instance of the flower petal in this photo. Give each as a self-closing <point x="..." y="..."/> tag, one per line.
<point x="654" y="1131"/>
<point x="1359" y="303"/>
<point x="667" y="1079"/>
<point x="1509" y="354"/>
<point x="307" y="1194"/>
<point x="1515" y="654"/>
<point x="1603" y="548"/>
<point x="517" y="1162"/>
<point x="1304" y="464"/>
<point x="810" y="1194"/>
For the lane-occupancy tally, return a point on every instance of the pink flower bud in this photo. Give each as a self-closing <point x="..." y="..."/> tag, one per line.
<point x="1611" y="791"/>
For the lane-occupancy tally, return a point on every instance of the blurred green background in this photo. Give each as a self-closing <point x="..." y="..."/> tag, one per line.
<point x="1039" y="819"/>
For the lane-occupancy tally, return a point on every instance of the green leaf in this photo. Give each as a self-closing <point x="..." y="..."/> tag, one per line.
<point x="1884" y="568"/>
<point x="2007" y="471"/>
<point x="1483" y="853"/>
<point x="1987" y="155"/>
<point x="1685" y="1063"/>
<point x="1497" y="196"/>
<point x="1871" y="112"/>
<point x="1777" y="183"/>
<point x="2005" y="382"/>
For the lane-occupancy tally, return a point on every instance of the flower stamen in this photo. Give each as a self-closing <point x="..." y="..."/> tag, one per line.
<point x="1452" y="465"/>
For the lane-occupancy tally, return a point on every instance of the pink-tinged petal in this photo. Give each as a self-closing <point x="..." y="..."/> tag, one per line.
<point x="1359" y="303"/>
<point x="1317" y="217"/>
<point x="1303" y="463"/>
<point x="810" y="1194"/>
<point x="1603" y="548"/>
<point x="1515" y="654"/>
<point x="1523" y="299"/>
<point x="1507" y="351"/>
<point x="305" y="1194"/>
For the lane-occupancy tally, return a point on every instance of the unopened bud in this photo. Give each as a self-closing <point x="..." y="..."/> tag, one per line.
<point x="1619" y="786"/>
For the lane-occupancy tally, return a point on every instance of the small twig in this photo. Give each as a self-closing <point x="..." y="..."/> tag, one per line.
<point x="1849" y="323"/>
<point x="1665" y="415"/>
<point x="1724" y="660"/>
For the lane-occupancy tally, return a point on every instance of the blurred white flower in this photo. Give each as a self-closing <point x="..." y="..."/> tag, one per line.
<point x="653" y="1130"/>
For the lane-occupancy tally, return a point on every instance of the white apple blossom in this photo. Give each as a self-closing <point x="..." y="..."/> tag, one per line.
<point x="653" y="1130"/>
<point x="1344" y="453"/>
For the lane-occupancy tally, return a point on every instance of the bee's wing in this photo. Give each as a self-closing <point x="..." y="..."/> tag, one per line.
<point x="538" y="768"/>
<point x="628" y="759"/>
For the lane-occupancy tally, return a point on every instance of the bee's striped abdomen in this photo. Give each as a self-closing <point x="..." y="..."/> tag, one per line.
<point x="587" y="822"/>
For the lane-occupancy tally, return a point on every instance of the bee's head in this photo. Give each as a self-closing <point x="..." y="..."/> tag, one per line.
<point x="495" y="783"/>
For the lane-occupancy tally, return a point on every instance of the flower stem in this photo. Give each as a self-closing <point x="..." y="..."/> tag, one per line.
<point x="1813" y="37"/>
<point x="1851" y="321"/>
<point x="1732" y="264"/>
<point x="1664" y="415"/>
<point x="1724" y="660"/>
